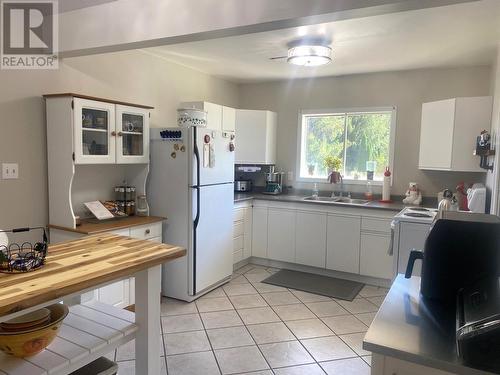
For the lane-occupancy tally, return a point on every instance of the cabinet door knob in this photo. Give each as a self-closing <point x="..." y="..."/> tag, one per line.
<point x="148" y="231"/>
<point x="113" y="133"/>
<point x="120" y="134"/>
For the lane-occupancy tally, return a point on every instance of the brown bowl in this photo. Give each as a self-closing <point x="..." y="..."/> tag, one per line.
<point x="31" y="341"/>
<point x="25" y="322"/>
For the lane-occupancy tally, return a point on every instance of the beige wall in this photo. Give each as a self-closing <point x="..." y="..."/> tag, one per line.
<point x="406" y="90"/>
<point x="130" y="76"/>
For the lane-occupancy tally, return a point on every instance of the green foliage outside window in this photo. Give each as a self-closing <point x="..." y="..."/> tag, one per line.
<point x="354" y="138"/>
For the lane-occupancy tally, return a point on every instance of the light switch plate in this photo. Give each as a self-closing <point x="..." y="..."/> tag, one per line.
<point x="10" y="171"/>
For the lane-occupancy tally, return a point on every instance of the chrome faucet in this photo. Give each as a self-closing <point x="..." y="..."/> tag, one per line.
<point x="341" y="194"/>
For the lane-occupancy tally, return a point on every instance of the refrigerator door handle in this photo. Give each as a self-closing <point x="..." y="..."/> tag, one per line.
<point x="197" y="217"/>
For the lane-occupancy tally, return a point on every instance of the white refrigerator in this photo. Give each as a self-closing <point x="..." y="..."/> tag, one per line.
<point x="191" y="183"/>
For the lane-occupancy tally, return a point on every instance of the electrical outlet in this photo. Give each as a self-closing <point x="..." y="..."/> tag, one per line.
<point x="10" y="171"/>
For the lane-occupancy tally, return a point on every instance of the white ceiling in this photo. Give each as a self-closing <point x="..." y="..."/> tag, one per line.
<point x="457" y="35"/>
<point x="70" y="5"/>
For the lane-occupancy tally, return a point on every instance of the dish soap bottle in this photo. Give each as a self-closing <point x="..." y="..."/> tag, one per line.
<point x="386" y="187"/>
<point x="369" y="192"/>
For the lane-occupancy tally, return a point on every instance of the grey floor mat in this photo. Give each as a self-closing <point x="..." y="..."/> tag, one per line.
<point x="318" y="284"/>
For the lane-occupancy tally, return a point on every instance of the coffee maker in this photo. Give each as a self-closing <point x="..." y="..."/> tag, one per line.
<point x="274" y="182"/>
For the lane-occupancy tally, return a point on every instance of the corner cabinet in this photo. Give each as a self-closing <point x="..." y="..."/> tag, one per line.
<point x="256" y="137"/>
<point x="107" y="133"/>
<point x="448" y="133"/>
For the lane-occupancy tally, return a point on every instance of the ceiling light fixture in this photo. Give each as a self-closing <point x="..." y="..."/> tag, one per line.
<point x="309" y="55"/>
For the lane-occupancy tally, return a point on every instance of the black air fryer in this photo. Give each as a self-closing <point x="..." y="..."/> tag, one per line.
<point x="456" y="254"/>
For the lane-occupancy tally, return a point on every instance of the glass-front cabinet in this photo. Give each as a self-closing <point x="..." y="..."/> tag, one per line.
<point x="132" y="129"/>
<point x="107" y="133"/>
<point x="94" y="132"/>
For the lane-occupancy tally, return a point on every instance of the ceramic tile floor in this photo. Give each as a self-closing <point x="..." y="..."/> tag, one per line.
<point x="247" y="327"/>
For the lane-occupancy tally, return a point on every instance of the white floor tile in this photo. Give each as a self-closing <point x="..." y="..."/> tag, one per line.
<point x="309" y="328"/>
<point x="221" y="319"/>
<point x="193" y="364"/>
<point x="270" y="332"/>
<point x="312" y="369"/>
<point x="280" y="298"/>
<point x="345" y="324"/>
<point x="328" y="348"/>
<point x="232" y="337"/>
<point x="248" y="301"/>
<point x="328" y="308"/>
<point x="258" y="315"/>
<point x="181" y="323"/>
<point x="351" y="366"/>
<point x="214" y="304"/>
<point x="186" y="342"/>
<point x="290" y="353"/>
<point x="293" y="312"/>
<point x="237" y="360"/>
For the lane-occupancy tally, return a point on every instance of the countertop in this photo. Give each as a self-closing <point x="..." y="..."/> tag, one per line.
<point x="94" y="227"/>
<point x="410" y="329"/>
<point x="240" y="197"/>
<point x="81" y="264"/>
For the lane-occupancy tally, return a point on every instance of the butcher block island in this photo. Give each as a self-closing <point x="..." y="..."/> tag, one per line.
<point x="91" y="329"/>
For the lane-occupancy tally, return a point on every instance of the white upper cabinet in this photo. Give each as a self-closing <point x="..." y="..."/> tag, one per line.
<point x="132" y="131"/>
<point x="214" y="113"/>
<point x="228" y="119"/>
<point x="255" y="137"/>
<point x="108" y="133"/>
<point x="448" y="133"/>
<point x="94" y="136"/>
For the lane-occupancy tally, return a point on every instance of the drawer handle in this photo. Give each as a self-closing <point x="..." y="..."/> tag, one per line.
<point x="148" y="231"/>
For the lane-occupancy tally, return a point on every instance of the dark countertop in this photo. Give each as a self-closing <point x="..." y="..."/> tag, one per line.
<point x="240" y="197"/>
<point x="409" y="329"/>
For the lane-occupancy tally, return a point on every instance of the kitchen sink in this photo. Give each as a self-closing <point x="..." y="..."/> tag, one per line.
<point x="345" y="200"/>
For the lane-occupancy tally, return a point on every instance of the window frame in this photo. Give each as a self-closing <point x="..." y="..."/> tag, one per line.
<point x="336" y="111"/>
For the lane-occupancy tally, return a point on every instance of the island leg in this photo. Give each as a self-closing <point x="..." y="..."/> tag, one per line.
<point x="147" y="317"/>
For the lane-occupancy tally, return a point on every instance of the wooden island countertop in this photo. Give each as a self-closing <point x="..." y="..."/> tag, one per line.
<point x="80" y="265"/>
<point x="94" y="227"/>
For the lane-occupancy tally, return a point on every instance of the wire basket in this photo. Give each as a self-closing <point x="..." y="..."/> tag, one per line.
<point x="24" y="257"/>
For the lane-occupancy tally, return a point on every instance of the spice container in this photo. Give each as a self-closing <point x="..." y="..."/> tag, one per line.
<point x="119" y="193"/>
<point x="130" y="208"/>
<point x="130" y="193"/>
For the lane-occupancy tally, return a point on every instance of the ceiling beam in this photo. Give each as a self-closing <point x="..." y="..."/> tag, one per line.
<point x="134" y="24"/>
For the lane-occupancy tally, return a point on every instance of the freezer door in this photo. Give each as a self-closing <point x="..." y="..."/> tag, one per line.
<point x="216" y="158"/>
<point x="213" y="235"/>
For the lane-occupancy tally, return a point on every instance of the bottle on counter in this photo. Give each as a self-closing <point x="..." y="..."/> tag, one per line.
<point x="386" y="187"/>
<point x="369" y="191"/>
<point x="315" y="191"/>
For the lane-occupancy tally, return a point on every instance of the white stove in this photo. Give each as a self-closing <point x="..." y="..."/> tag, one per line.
<point x="416" y="215"/>
<point x="410" y="228"/>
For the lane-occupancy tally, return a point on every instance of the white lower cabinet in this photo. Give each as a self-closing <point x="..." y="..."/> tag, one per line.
<point x="281" y="235"/>
<point x="343" y="238"/>
<point x="346" y="239"/>
<point x="310" y="239"/>
<point x="374" y="258"/>
<point x="242" y="232"/>
<point x="259" y="232"/>
<point x="122" y="293"/>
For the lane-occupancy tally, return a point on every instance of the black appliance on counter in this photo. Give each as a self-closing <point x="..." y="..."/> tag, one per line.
<point x="478" y="324"/>
<point x="456" y="254"/>
<point x="461" y="273"/>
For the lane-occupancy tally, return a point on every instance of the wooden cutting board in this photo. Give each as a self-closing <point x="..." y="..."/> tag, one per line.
<point x="82" y="264"/>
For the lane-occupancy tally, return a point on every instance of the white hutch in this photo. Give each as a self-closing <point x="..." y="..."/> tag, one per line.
<point x="94" y="144"/>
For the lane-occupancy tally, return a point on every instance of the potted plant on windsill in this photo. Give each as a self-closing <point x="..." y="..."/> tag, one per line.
<point x="333" y="165"/>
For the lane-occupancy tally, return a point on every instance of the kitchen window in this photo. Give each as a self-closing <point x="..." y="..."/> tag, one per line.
<point x="361" y="138"/>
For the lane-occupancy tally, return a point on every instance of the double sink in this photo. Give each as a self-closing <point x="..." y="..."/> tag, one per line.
<point x="341" y="200"/>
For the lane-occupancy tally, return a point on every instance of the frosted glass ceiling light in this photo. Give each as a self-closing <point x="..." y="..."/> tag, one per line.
<point x="309" y="55"/>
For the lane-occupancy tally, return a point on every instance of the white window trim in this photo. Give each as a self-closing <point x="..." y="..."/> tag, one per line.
<point x="392" y="140"/>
